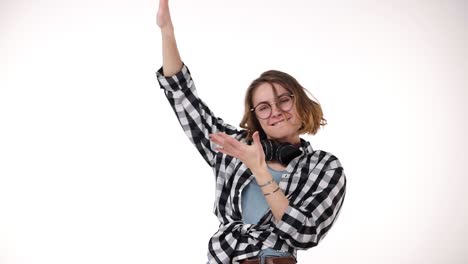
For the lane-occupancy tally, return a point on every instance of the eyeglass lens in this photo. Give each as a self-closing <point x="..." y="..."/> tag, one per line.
<point x="284" y="103"/>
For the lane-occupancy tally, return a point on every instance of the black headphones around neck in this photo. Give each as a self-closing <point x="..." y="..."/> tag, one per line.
<point x="281" y="152"/>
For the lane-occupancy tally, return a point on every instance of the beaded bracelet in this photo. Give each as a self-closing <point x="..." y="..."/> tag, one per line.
<point x="271" y="192"/>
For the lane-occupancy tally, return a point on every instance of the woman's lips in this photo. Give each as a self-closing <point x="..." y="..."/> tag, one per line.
<point x="279" y="122"/>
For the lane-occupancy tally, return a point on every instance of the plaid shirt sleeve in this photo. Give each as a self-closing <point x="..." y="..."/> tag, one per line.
<point x="305" y="223"/>
<point x="197" y="120"/>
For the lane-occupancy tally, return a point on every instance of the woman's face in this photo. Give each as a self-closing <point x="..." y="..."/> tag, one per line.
<point x="280" y="125"/>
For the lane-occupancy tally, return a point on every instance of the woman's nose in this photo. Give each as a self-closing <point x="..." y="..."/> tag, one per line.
<point x="275" y="110"/>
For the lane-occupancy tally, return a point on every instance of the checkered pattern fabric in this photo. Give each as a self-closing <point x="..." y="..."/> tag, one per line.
<point x="314" y="183"/>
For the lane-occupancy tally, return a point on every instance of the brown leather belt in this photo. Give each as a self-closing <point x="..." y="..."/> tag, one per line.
<point x="270" y="260"/>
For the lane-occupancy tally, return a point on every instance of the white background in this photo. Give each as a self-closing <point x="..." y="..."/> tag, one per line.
<point x="94" y="167"/>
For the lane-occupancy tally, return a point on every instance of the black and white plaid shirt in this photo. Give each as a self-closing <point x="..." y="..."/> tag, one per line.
<point x="314" y="183"/>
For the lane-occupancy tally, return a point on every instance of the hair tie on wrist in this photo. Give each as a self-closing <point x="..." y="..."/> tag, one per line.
<point x="267" y="183"/>
<point x="271" y="192"/>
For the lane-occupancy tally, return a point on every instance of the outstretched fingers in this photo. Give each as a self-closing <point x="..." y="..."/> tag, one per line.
<point x="228" y="145"/>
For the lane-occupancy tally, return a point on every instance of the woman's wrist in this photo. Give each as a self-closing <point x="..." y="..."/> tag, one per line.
<point x="168" y="31"/>
<point x="262" y="176"/>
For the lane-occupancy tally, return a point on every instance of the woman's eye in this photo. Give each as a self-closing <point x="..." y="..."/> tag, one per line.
<point x="263" y="108"/>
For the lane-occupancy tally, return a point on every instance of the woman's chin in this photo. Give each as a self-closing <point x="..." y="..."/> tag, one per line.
<point x="284" y="137"/>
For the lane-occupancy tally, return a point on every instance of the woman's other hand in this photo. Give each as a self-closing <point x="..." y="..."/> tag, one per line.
<point x="251" y="155"/>
<point x="172" y="63"/>
<point x="163" y="17"/>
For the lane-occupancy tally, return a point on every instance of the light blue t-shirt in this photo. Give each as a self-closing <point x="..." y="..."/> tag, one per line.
<point x="253" y="202"/>
<point x="254" y="206"/>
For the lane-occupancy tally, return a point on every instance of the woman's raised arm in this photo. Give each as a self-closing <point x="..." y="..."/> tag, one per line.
<point x="172" y="63"/>
<point x="197" y="120"/>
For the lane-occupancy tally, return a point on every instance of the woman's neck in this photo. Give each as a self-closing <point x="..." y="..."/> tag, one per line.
<point x="296" y="141"/>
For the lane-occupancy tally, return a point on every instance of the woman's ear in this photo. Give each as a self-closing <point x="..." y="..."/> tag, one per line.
<point x="302" y="125"/>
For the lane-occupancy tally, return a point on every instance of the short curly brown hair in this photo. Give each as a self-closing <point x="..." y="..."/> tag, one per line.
<point x="309" y="111"/>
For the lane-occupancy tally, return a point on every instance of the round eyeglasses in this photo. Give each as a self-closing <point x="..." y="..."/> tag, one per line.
<point x="263" y="110"/>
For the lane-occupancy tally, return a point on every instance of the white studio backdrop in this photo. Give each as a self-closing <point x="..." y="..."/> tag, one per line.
<point x="94" y="167"/>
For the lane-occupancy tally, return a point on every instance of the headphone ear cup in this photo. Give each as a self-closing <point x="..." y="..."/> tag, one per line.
<point x="268" y="148"/>
<point x="282" y="152"/>
<point x="262" y="134"/>
<point x="286" y="152"/>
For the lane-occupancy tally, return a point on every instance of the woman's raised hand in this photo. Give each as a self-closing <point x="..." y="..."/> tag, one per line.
<point x="163" y="17"/>
<point x="172" y="63"/>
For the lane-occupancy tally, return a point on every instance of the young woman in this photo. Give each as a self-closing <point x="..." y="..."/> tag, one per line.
<point x="274" y="193"/>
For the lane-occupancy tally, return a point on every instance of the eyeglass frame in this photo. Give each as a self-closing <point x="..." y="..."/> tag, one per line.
<point x="291" y="95"/>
